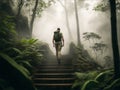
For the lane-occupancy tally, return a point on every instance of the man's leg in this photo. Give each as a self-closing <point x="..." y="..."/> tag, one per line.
<point x="57" y="53"/>
<point x="56" y="47"/>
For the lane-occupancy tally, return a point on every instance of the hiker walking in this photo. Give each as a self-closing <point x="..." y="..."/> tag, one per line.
<point x="58" y="43"/>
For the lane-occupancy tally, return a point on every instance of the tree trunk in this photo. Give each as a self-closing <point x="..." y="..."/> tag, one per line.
<point x="33" y="17"/>
<point x="77" y="23"/>
<point x="114" y="38"/>
<point x="18" y="18"/>
<point x="67" y="20"/>
<point x="20" y="5"/>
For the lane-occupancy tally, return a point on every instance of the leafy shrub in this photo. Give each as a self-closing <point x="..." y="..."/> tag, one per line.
<point x="25" y="52"/>
<point x="7" y="30"/>
<point x="15" y="60"/>
<point x="115" y="85"/>
<point x="81" y="78"/>
<point x="17" y="75"/>
<point x="103" y="81"/>
<point x="104" y="76"/>
<point x="82" y="60"/>
<point x="96" y="81"/>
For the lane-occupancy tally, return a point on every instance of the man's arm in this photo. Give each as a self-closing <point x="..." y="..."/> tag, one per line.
<point x="62" y="40"/>
<point x="53" y="42"/>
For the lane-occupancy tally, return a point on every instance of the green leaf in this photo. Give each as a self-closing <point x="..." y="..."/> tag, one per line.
<point x="17" y="75"/>
<point x="17" y="50"/>
<point x="32" y="41"/>
<point x="14" y="64"/>
<point x="115" y="85"/>
<point x="90" y="85"/>
<point x="77" y="83"/>
<point x="104" y="76"/>
<point x="25" y="63"/>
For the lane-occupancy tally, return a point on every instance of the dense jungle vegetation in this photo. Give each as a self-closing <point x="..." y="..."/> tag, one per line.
<point x="20" y="53"/>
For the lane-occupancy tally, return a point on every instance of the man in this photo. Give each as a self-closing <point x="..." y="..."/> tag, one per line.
<point x="58" y="43"/>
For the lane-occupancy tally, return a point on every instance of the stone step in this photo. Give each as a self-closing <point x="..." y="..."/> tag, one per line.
<point x="53" y="85"/>
<point x="54" y="66"/>
<point x="55" y="70"/>
<point x="54" y="74"/>
<point x="53" y="80"/>
<point x="56" y="63"/>
<point x="51" y="74"/>
<point x="48" y="75"/>
<point x="50" y="79"/>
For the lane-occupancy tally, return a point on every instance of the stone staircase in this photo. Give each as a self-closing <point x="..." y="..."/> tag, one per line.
<point x="54" y="76"/>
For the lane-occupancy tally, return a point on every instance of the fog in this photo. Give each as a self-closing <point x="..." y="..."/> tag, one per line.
<point x="89" y="21"/>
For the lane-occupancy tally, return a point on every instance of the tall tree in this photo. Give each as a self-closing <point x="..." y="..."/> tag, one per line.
<point x="37" y="9"/>
<point x="67" y="19"/>
<point x="33" y="16"/>
<point x="22" y="26"/>
<point x="104" y="6"/>
<point x="77" y="23"/>
<point x="114" y="38"/>
<point x="20" y="5"/>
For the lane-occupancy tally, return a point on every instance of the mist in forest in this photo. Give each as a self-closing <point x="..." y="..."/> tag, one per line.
<point x="89" y="21"/>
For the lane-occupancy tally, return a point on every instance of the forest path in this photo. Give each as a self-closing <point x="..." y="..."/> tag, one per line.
<point x="53" y="76"/>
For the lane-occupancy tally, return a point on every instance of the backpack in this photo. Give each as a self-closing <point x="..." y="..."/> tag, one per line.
<point x="57" y="36"/>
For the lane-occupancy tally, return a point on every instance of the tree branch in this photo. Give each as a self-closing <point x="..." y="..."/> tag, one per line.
<point x="61" y="3"/>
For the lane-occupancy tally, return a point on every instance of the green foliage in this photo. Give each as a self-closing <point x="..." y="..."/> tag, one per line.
<point x="17" y="57"/>
<point x="81" y="78"/>
<point x="104" y="6"/>
<point x="99" y="47"/>
<point x="21" y="69"/>
<point x="104" y="78"/>
<point x="7" y="26"/>
<point x="107" y="82"/>
<point x="86" y="76"/>
<point x="42" y="5"/>
<point x="90" y="85"/>
<point x="83" y="61"/>
<point x="104" y="75"/>
<point x="16" y="72"/>
<point x="91" y="35"/>
<point x="26" y="53"/>
<point x="7" y="30"/>
<point x="28" y="42"/>
<point x="102" y="81"/>
<point x="109" y="62"/>
<point x="115" y="85"/>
